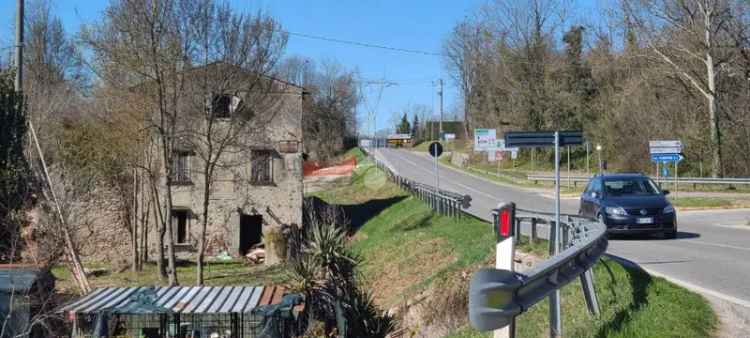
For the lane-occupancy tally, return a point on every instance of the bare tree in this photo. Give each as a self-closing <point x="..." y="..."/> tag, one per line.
<point x="143" y="47"/>
<point x="690" y="37"/>
<point x="234" y="98"/>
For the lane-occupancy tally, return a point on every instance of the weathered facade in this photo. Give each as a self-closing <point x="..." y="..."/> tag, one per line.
<point x="257" y="183"/>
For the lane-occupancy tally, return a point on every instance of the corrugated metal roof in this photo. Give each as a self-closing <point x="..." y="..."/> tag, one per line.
<point x="17" y="279"/>
<point x="198" y="300"/>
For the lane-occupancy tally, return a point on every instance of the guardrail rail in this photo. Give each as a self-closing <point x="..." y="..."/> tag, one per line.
<point x="444" y="202"/>
<point x="679" y="180"/>
<point x="496" y="297"/>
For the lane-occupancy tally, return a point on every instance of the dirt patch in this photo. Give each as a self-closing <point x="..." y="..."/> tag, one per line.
<point x="443" y="308"/>
<point x="397" y="270"/>
<point x="734" y="319"/>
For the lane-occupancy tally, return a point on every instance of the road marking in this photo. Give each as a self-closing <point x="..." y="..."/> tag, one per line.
<point x="446" y="180"/>
<point x="687" y="285"/>
<point x="718" y="245"/>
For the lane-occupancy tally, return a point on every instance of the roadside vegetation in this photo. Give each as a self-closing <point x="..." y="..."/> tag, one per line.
<point x="409" y="253"/>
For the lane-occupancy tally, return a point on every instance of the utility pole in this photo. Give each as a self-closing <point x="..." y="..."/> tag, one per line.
<point x="19" y="46"/>
<point x="440" y="133"/>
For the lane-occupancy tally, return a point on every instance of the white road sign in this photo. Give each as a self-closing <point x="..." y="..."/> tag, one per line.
<point x="484" y="139"/>
<point x="665" y="147"/>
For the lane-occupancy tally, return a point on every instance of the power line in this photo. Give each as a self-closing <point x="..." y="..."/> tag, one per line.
<point x="364" y="44"/>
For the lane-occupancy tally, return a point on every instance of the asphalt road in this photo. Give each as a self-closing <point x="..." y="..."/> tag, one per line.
<point x="711" y="253"/>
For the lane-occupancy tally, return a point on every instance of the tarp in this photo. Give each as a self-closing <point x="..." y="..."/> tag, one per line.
<point x="320" y="169"/>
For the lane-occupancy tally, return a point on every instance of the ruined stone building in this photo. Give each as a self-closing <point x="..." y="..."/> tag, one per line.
<point x="257" y="185"/>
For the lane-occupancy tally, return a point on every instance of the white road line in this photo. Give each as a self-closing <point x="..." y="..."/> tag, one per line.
<point x="684" y="284"/>
<point x="717" y="245"/>
<point x="451" y="182"/>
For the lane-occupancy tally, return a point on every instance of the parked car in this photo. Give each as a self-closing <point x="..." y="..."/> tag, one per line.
<point x="629" y="204"/>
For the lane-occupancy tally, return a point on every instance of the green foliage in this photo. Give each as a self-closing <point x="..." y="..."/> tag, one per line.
<point x="326" y="273"/>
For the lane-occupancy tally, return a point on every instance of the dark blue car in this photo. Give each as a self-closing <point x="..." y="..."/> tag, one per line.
<point x="629" y="204"/>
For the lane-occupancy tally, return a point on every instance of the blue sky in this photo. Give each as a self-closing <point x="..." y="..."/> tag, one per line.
<point x="416" y="24"/>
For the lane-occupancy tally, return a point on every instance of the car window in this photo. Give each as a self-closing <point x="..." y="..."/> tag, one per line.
<point x="597" y="186"/>
<point x="630" y="186"/>
<point x="589" y="187"/>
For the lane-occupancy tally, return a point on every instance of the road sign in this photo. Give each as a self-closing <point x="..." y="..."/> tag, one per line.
<point x="665" y="171"/>
<point x="665" y="147"/>
<point x="449" y="137"/>
<point x="514" y="153"/>
<point x="542" y="138"/>
<point x="436" y="149"/>
<point x="666" y="157"/>
<point x="484" y="139"/>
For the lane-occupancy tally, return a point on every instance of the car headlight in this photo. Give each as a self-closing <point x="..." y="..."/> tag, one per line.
<point x="668" y="209"/>
<point x="619" y="211"/>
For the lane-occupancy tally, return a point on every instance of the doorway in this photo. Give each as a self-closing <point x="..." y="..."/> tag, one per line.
<point x="251" y="232"/>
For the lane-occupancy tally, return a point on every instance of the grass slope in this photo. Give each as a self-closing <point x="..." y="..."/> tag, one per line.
<point x="407" y="248"/>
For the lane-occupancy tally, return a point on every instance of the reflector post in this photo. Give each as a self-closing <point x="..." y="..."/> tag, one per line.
<point x="505" y="218"/>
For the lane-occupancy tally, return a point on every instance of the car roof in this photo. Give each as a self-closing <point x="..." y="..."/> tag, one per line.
<point x="621" y="175"/>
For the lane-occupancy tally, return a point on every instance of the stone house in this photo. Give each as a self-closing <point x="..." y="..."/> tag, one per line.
<point x="257" y="184"/>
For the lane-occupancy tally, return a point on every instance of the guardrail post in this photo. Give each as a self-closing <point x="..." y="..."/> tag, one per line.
<point x="589" y="292"/>
<point x="533" y="230"/>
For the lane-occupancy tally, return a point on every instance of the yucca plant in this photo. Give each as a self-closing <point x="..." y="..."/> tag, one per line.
<point x="325" y="272"/>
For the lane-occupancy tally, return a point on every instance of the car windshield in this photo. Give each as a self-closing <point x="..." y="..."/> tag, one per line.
<point x="630" y="186"/>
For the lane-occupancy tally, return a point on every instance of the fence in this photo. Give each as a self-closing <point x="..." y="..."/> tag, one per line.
<point x="680" y="180"/>
<point x="496" y="297"/>
<point x="446" y="203"/>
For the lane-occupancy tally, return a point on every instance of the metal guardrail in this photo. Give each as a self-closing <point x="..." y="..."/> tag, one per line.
<point x="680" y="180"/>
<point x="444" y="202"/>
<point x="496" y="297"/>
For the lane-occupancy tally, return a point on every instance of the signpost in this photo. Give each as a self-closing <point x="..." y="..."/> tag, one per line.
<point x="547" y="139"/>
<point x="663" y="152"/>
<point x="484" y="139"/>
<point x="436" y="149"/>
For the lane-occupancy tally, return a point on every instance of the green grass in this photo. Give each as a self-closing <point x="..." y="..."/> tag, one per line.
<point x="408" y="249"/>
<point x="633" y="304"/>
<point x="701" y="202"/>
<point x="514" y="177"/>
<point x="232" y="272"/>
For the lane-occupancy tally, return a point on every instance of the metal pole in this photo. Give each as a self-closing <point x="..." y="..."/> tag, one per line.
<point x="554" y="298"/>
<point x="19" y="46"/>
<point x="437" y="173"/>
<point x="657" y="174"/>
<point x="676" y="178"/>
<point x="589" y="292"/>
<point x="568" y="167"/>
<point x="588" y="171"/>
<point x="440" y="135"/>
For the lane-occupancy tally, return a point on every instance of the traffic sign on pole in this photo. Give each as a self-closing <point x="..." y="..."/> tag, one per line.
<point x="666" y="157"/>
<point x="542" y="138"/>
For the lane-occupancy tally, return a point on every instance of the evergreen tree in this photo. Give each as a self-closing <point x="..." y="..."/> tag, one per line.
<point x="14" y="171"/>
<point x="404" y="127"/>
<point x="415" y="128"/>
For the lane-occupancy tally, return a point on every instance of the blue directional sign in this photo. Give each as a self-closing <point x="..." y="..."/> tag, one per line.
<point x="666" y="157"/>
